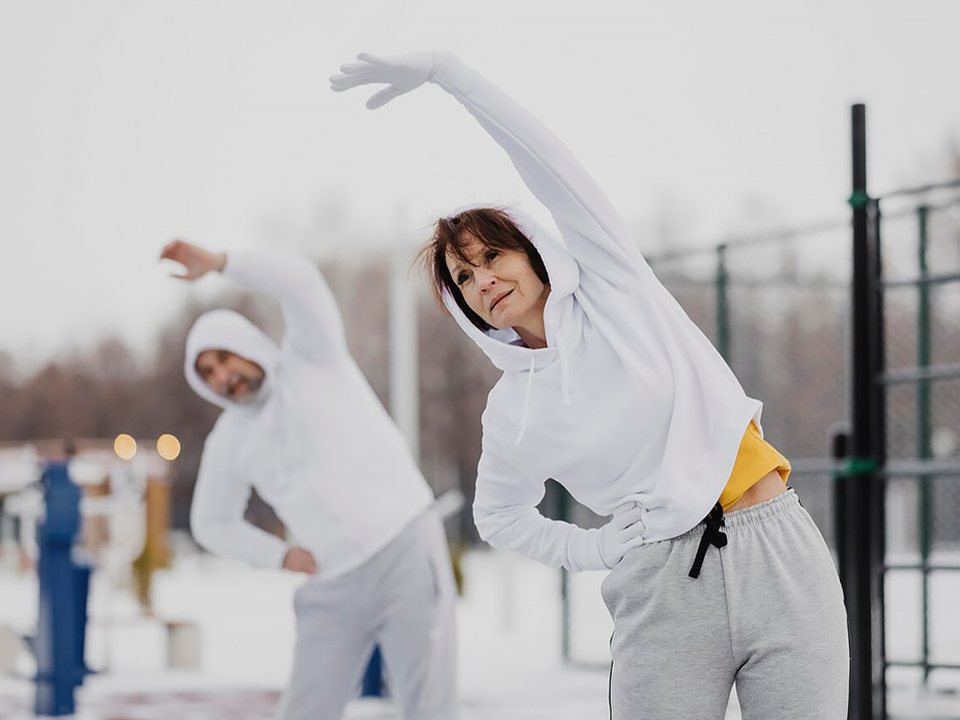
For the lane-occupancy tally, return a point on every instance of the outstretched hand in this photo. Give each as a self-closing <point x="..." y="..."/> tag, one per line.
<point x="401" y="74"/>
<point x="195" y="259"/>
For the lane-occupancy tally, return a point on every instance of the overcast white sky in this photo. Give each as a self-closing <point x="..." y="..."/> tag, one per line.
<point x="127" y="124"/>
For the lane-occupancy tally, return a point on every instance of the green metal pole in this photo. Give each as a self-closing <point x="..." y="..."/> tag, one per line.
<point x="924" y="434"/>
<point x="563" y="513"/>
<point x="723" y="307"/>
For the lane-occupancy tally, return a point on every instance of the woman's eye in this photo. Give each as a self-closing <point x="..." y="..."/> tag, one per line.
<point x="462" y="278"/>
<point x="492" y="255"/>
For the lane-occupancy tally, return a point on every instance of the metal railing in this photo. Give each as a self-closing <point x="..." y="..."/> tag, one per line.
<point x="925" y="469"/>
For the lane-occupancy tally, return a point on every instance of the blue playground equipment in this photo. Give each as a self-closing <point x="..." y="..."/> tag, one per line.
<point x="64" y="586"/>
<point x="372" y="684"/>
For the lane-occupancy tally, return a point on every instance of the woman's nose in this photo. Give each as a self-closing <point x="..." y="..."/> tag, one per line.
<point x="485" y="279"/>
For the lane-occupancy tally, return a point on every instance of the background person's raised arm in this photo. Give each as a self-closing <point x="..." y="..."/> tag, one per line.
<point x="312" y="322"/>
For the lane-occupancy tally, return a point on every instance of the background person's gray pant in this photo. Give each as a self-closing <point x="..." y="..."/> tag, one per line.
<point x="403" y="599"/>
<point x="767" y="612"/>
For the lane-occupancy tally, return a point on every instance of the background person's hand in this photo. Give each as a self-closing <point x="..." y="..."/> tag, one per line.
<point x="299" y="560"/>
<point x="401" y="74"/>
<point x="196" y="261"/>
<point x="623" y="533"/>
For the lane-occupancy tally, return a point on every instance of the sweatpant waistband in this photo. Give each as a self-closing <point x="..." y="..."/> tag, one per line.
<point x="753" y="515"/>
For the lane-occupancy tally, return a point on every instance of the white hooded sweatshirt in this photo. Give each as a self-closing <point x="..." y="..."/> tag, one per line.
<point x="316" y="443"/>
<point x="629" y="402"/>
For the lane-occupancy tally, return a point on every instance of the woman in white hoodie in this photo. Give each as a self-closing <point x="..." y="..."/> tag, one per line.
<point x="611" y="390"/>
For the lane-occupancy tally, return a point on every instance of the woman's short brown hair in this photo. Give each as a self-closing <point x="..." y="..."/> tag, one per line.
<point x="494" y="228"/>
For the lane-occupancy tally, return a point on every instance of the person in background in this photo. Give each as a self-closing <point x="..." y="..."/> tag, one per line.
<point x="301" y="425"/>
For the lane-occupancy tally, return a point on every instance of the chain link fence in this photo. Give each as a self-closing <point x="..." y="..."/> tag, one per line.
<point x="921" y="239"/>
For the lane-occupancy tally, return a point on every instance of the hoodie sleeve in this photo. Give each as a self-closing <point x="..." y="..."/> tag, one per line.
<point x="216" y="516"/>
<point x="506" y="515"/>
<point x="312" y="323"/>
<point x="595" y="234"/>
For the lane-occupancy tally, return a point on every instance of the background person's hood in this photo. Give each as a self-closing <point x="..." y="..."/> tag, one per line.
<point x="229" y="330"/>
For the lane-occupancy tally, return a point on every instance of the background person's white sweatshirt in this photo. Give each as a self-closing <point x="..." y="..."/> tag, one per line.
<point x="628" y="403"/>
<point x="317" y="444"/>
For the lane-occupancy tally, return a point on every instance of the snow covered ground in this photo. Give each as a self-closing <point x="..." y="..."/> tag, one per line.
<point x="509" y="624"/>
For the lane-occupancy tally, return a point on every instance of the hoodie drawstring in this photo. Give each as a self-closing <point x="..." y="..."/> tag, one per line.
<point x="564" y="385"/>
<point x="564" y="369"/>
<point x="526" y="400"/>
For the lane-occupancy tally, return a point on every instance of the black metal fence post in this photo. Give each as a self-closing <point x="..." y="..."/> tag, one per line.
<point x="838" y="436"/>
<point x="723" y="305"/>
<point x="924" y="438"/>
<point x="876" y="506"/>
<point x="860" y="555"/>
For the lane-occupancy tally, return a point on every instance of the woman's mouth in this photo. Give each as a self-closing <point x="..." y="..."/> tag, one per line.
<point x="498" y="299"/>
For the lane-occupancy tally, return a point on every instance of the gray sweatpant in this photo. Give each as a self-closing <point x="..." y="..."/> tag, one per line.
<point x="766" y="612"/>
<point x="403" y="599"/>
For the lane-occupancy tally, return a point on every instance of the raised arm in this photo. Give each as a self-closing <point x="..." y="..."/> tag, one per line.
<point x="595" y="233"/>
<point x="312" y="322"/>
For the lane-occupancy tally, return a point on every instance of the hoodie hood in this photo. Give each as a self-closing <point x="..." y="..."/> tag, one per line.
<point x="564" y="273"/>
<point x="229" y="330"/>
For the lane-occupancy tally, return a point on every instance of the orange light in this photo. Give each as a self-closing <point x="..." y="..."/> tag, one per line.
<point x="125" y="446"/>
<point x="168" y="447"/>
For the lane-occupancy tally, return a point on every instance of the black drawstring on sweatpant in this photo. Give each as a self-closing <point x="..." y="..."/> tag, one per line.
<point x="712" y="535"/>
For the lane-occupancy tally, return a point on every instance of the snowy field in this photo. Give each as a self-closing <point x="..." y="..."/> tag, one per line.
<point x="510" y="640"/>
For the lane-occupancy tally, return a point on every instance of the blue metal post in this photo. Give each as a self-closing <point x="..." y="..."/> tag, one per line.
<point x="63" y="589"/>
<point x="372" y="685"/>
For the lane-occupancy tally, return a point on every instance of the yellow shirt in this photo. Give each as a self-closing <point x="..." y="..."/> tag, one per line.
<point x="755" y="459"/>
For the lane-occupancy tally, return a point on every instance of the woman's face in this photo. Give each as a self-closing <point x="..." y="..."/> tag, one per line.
<point x="499" y="285"/>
